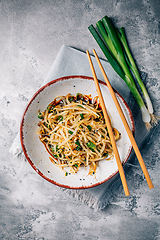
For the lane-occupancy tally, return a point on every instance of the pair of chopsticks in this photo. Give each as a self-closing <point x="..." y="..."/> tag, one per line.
<point x="130" y="135"/>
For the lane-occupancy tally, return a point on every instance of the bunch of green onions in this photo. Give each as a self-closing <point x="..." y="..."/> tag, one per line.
<point x="113" y="44"/>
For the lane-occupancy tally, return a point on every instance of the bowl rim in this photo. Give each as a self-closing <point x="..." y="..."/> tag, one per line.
<point x="22" y="135"/>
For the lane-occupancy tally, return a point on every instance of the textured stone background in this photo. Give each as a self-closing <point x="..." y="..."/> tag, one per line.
<point x="32" y="33"/>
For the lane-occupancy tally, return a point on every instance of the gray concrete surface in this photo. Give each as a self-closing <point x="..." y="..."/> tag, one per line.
<point x="32" y="33"/>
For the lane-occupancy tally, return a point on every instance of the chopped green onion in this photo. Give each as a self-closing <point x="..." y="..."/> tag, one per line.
<point x="71" y="99"/>
<point x="77" y="142"/>
<point x="78" y="145"/>
<point x="60" y="118"/>
<point x="82" y="116"/>
<point x="91" y="145"/>
<point x="89" y="127"/>
<point x="78" y="148"/>
<point x="50" y="106"/>
<point x="70" y="132"/>
<point x="40" y="115"/>
<point x="79" y="96"/>
<point x="105" y="154"/>
<point x="76" y="165"/>
<point x="80" y="106"/>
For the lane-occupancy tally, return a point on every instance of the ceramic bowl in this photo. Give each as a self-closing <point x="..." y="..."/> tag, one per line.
<point x="35" y="151"/>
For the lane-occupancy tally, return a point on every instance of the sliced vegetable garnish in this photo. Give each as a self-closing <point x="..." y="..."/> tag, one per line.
<point x="82" y="116"/>
<point x="78" y="148"/>
<point x="71" y="99"/>
<point x="60" y="118"/>
<point x="79" y="96"/>
<point x="40" y="115"/>
<point x="80" y="106"/>
<point x="77" y="142"/>
<point x="70" y="132"/>
<point x="89" y="127"/>
<point x="91" y="145"/>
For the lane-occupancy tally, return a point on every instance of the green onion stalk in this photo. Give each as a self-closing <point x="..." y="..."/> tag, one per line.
<point x="133" y="67"/>
<point x="114" y="46"/>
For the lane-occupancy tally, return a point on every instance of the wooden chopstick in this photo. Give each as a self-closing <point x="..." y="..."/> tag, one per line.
<point x="115" y="150"/>
<point x="130" y="135"/>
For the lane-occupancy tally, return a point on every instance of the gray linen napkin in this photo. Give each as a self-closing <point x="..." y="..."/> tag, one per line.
<point x="70" y="61"/>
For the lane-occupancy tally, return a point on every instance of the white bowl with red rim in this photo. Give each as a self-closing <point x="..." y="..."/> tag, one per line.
<point x="36" y="153"/>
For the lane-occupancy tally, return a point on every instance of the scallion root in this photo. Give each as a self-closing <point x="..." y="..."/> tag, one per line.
<point x="148" y="125"/>
<point x="154" y="119"/>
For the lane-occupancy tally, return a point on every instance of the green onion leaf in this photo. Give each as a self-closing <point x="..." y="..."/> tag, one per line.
<point x="111" y="59"/>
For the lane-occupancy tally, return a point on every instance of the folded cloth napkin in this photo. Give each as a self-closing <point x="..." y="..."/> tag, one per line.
<point x="70" y="61"/>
